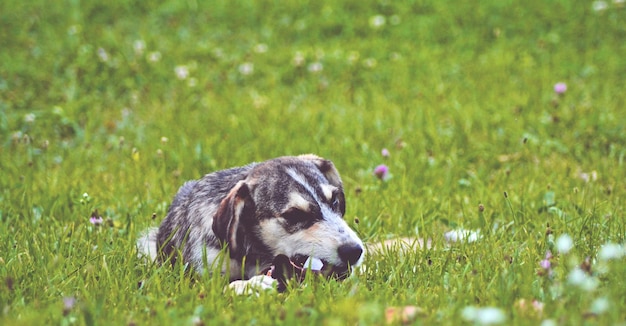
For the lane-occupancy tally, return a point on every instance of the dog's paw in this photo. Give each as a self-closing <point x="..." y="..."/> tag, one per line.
<point x="253" y="285"/>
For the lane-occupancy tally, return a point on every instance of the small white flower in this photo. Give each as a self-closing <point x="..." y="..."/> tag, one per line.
<point x="246" y="68"/>
<point x="260" y="48"/>
<point x="218" y="53"/>
<point x="182" y="72"/>
<point x="316" y="67"/>
<point x="548" y="322"/>
<point x="139" y="46"/>
<point x="490" y="315"/>
<point x="370" y="62"/>
<point x="483" y="316"/>
<point x="600" y="305"/>
<point x="469" y="313"/>
<point x="579" y="278"/>
<point x="196" y="320"/>
<point x="103" y="55"/>
<point x="564" y="243"/>
<point x="154" y="56"/>
<point x="377" y="21"/>
<point x="298" y="59"/>
<point x="599" y="6"/>
<point x="73" y="30"/>
<point x="588" y="176"/>
<point x="29" y="118"/>
<point x="610" y="251"/>
<point x="16" y="136"/>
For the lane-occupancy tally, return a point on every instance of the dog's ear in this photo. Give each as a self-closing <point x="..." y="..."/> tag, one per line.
<point x="227" y="223"/>
<point x="332" y="175"/>
<point x="326" y="167"/>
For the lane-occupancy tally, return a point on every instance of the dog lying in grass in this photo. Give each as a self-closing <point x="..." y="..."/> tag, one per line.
<point x="277" y="213"/>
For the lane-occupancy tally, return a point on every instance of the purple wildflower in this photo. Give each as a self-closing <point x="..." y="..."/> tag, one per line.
<point x="560" y="88"/>
<point x="95" y="218"/>
<point x="385" y="153"/>
<point x="68" y="304"/>
<point x="546" y="264"/>
<point x="382" y="172"/>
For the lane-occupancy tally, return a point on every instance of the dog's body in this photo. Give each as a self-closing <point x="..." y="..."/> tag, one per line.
<point x="292" y="206"/>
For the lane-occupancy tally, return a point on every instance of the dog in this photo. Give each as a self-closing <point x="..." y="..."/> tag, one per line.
<point x="290" y="206"/>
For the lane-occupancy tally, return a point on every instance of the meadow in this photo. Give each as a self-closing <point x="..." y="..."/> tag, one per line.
<point x="503" y="118"/>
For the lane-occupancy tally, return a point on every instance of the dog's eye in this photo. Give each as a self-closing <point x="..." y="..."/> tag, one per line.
<point x="334" y="202"/>
<point x="295" y="216"/>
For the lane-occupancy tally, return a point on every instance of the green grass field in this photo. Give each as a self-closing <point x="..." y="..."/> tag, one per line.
<point x="111" y="106"/>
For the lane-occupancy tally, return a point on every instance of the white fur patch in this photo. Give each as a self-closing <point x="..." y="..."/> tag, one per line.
<point x="296" y="200"/>
<point x="328" y="191"/>
<point x="147" y="244"/>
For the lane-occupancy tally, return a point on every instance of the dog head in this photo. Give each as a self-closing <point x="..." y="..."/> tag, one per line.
<point x="291" y="206"/>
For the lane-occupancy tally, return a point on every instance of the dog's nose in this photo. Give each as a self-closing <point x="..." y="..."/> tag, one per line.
<point x="350" y="253"/>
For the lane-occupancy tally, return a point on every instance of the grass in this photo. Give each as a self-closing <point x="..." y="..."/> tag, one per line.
<point x="112" y="106"/>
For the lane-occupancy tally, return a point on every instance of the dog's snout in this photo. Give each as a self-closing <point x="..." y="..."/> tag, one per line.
<point x="350" y="253"/>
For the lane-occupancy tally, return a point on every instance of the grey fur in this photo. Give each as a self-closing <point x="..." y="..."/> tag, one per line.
<point x="255" y="212"/>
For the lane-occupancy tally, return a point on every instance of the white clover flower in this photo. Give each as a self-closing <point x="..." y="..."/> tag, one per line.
<point x="139" y="46"/>
<point x="579" y="278"/>
<point x="370" y="63"/>
<point x="218" y="53"/>
<point x="154" y="56"/>
<point x="298" y="59"/>
<point x="564" y="243"/>
<point x="599" y="6"/>
<point x="73" y="30"/>
<point x="600" y="305"/>
<point x="260" y="48"/>
<point x="315" y="67"/>
<point x="182" y="72"/>
<point x="246" y="68"/>
<point x="377" y="21"/>
<point x="469" y="313"/>
<point x="588" y="176"/>
<point x="103" y="55"/>
<point x="29" y="118"/>
<point x="610" y="251"/>
<point x="483" y="316"/>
